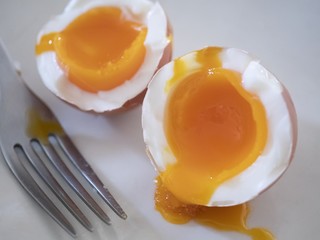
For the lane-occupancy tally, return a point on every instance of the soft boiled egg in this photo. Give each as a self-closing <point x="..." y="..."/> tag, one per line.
<point x="218" y="126"/>
<point x="100" y="54"/>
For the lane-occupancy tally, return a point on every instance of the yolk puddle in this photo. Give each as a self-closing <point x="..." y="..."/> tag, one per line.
<point x="222" y="218"/>
<point x="99" y="50"/>
<point x="214" y="128"/>
<point x="39" y="127"/>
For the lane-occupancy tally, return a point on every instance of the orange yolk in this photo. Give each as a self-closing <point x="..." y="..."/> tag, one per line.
<point x="40" y="126"/>
<point x="214" y="128"/>
<point x="99" y="50"/>
<point x="221" y="218"/>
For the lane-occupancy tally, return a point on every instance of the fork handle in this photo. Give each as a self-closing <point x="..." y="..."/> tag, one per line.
<point x="7" y="86"/>
<point x="86" y="170"/>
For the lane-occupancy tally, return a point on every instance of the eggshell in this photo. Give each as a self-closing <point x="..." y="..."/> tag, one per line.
<point x="158" y="43"/>
<point x="281" y="119"/>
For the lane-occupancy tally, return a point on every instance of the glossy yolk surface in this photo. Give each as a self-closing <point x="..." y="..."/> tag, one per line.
<point x="221" y="218"/>
<point x="214" y="128"/>
<point x="99" y="50"/>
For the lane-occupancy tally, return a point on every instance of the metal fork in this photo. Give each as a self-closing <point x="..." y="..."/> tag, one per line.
<point x="30" y="135"/>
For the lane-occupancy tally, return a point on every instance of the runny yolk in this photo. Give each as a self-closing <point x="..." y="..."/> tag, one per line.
<point x="222" y="218"/>
<point x="99" y="50"/>
<point x="214" y="128"/>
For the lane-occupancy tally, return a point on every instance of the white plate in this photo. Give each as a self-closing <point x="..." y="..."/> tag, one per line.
<point x="285" y="36"/>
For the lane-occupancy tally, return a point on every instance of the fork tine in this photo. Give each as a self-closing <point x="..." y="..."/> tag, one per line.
<point x="15" y="128"/>
<point x="30" y="185"/>
<point x="84" y="168"/>
<point x="55" y="159"/>
<point x="56" y="188"/>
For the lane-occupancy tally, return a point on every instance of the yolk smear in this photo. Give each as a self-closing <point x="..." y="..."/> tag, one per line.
<point x="208" y="57"/>
<point x="39" y="127"/>
<point x="214" y="128"/>
<point x="99" y="50"/>
<point x="180" y="68"/>
<point x="46" y="43"/>
<point x="222" y="218"/>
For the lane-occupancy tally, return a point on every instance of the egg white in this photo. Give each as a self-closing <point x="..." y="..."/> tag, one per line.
<point x="143" y="11"/>
<point x="257" y="80"/>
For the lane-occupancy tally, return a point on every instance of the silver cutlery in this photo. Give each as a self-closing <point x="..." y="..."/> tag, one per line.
<point x="30" y="135"/>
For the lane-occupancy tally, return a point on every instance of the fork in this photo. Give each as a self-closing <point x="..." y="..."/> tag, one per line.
<point x="32" y="140"/>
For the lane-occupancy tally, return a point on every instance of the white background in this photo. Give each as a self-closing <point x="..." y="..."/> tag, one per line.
<point x="285" y="35"/>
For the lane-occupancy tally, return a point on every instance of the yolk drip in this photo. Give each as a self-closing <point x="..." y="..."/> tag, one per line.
<point x="221" y="218"/>
<point x="99" y="50"/>
<point x="214" y="128"/>
<point x="40" y="128"/>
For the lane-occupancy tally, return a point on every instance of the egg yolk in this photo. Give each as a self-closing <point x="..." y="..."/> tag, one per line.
<point x="214" y="128"/>
<point x="222" y="218"/>
<point x="99" y="50"/>
<point x="41" y="127"/>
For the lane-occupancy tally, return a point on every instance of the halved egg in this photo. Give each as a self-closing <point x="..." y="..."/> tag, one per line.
<point x="100" y="54"/>
<point x="218" y="126"/>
